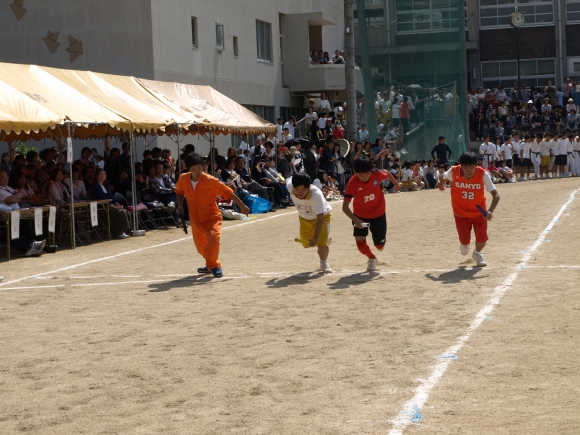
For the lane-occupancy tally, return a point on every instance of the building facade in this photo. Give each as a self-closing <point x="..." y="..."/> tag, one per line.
<point x="255" y="52"/>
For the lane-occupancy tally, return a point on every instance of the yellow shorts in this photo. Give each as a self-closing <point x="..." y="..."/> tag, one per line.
<point x="545" y="161"/>
<point x="308" y="228"/>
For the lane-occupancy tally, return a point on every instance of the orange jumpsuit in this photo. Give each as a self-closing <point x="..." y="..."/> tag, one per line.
<point x="204" y="214"/>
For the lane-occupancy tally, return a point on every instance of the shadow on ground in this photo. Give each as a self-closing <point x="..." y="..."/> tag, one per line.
<point x="354" y="279"/>
<point x="189" y="281"/>
<point x="297" y="279"/>
<point x="462" y="273"/>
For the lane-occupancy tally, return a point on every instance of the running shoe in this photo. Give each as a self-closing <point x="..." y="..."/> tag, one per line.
<point x="170" y="207"/>
<point x="479" y="260"/>
<point x="325" y="267"/>
<point x="372" y="264"/>
<point x="217" y="272"/>
<point x="464" y="249"/>
<point x="203" y="270"/>
<point x="329" y="240"/>
<point x="33" y="252"/>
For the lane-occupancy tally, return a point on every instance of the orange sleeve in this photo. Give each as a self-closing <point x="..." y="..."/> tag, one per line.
<point x="221" y="189"/>
<point x="179" y="188"/>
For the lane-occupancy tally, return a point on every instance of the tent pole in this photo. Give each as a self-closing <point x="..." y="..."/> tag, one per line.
<point x="11" y="151"/>
<point x="136" y="230"/>
<point x="72" y="197"/>
<point x="211" y="153"/>
<point x="177" y="169"/>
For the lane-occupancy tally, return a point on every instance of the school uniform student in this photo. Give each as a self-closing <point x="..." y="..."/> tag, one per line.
<point x="535" y="150"/>
<point x="365" y="191"/>
<point x="469" y="183"/>
<point x="561" y="152"/>
<point x="576" y="156"/>
<point x="516" y="146"/>
<point x="488" y="150"/>
<point x="507" y="152"/>
<point x="526" y="160"/>
<point x="546" y="151"/>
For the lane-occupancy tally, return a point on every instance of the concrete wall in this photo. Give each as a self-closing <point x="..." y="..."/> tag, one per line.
<point x="115" y="35"/>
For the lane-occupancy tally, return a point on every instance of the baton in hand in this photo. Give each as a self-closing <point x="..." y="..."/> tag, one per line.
<point x="183" y="224"/>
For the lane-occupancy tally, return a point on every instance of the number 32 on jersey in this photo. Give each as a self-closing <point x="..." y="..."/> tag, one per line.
<point x="468" y="195"/>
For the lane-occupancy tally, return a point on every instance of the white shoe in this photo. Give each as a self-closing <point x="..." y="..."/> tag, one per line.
<point x="464" y="249"/>
<point x="372" y="264"/>
<point x="170" y="207"/>
<point x="329" y="240"/>
<point x="325" y="267"/>
<point x="512" y="180"/>
<point x="479" y="260"/>
<point x="522" y="179"/>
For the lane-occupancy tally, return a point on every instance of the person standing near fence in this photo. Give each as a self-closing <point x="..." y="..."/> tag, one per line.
<point x="201" y="190"/>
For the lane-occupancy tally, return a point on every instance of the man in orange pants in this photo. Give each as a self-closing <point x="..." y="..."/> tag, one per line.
<point x="201" y="190"/>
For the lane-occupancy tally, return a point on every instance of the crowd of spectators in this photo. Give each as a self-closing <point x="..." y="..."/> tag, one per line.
<point x="321" y="57"/>
<point x="547" y="110"/>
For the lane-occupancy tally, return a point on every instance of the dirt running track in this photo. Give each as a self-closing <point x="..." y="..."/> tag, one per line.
<point x="139" y="344"/>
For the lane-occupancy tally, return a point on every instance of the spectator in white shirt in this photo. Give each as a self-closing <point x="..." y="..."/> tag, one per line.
<point x="291" y="124"/>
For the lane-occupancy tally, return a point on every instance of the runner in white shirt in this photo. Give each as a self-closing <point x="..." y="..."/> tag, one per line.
<point x="314" y="215"/>
<point x="489" y="152"/>
<point x="526" y="158"/>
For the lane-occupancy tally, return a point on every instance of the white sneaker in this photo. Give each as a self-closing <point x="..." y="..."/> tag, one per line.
<point x="512" y="180"/>
<point x="479" y="260"/>
<point x="464" y="249"/>
<point x="170" y="207"/>
<point x="329" y="240"/>
<point x="372" y="264"/>
<point x="325" y="267"/>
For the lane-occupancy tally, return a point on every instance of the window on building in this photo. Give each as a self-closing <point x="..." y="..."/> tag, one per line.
<point x="496" y="13"/>
<point x="194" y="32"/>
<point x="572" y="11"/>
<point x="533" y="72"/>
<point x="287" y="112"/>
<point x="427" y="15"/>
<point x="219" y="37"/>
<point x="375" y="17"/>
<point x="266" y="112"/>
<point x="235" y="41"/>
<point x="264" y="41"/>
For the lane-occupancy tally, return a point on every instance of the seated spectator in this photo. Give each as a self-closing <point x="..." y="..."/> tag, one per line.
<point x="162" y="189"/>
<point x="86" y="157"/>
<point x="58" y="193"/>
<point x="123" y="188"/>
<point x="547" y="122"/>
<point x="283" y="161"/>
<point x="266" y="178"/>
<point x="494" y="172"/>
<point x="505" y="172"/>
<point x="29" y="195"/>
<point x="430" y="175"/>
<point x="325" y="58"/>
<point x="572" y="121"/>
<point x="5" y="163"/>
<point x="338" y="131"/>
<point x="407" y="180"/>
<point x="79" y="188"/>
<point x="119" y="217"/>
<point x="247" y="182"/>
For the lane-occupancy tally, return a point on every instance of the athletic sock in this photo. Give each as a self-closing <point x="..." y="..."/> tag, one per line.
<point x="365" y="249"/>
<point x="379" y="247"/>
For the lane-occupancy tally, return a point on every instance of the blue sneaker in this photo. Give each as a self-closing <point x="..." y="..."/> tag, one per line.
<point x="203" y="270"/>
<point x="217" y="272"/>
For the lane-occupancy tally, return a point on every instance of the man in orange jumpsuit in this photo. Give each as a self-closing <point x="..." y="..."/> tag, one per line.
<point x="201" y="190"/>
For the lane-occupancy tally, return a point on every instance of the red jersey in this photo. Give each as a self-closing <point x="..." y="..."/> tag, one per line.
<point x="405" y="110"/>
<point x="467" y="194"/>
<point x="369" y="199"/>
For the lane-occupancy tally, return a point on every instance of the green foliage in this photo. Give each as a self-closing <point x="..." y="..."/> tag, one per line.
<point x="22" y="148"/>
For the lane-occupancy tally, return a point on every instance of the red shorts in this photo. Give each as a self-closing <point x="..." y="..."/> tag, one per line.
<point x="464" y="226"/>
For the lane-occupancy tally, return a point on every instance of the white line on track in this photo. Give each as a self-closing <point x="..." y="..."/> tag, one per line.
<point x="110" y="257"/>
<point x="423" y="391"/>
